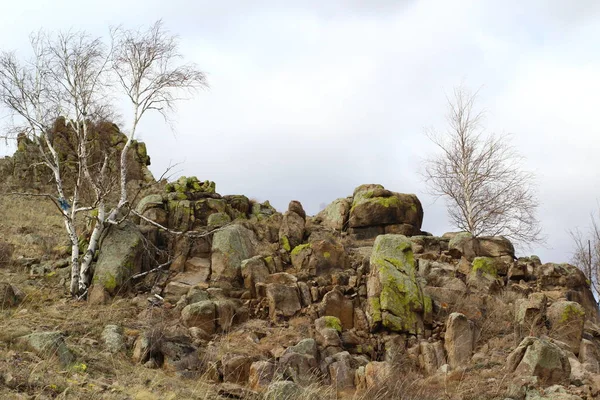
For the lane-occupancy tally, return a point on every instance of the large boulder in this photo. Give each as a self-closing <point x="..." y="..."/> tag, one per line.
<point x="335" y="215"/>
<point x="291" y="231"/>
<point x="335" y="304"/>
<point x="282" y="296"/>
<point x="373" y="205"/>
<point x="566" y="320"/>
<point x="319" y="256"/>
<point x="202" y="314"/>
<point x="464" y="244"/>
<point x="541" y="358"/>
<point x="230" y="247"/>
<point x="121" y="256"/>
<point x="395" y="297"/>
<point x="530" y="316"/>
<point x="459" y="340"/>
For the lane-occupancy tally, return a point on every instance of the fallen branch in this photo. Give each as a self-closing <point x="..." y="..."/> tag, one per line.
<point x="161" y="266"/>
<point x="194" y="234"/>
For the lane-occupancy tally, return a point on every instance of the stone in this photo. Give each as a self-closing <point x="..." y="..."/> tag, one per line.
<point x="459" y="340"/>
<point x="540" y="358"/>
<point x="217" y="220"/>
<point x="226" y="311"/>
<point x="530" y="316"/>
<point x="328" y="331"/>
<point x="589" y="356"/>
<point x="10" y="296"/>
<point x="261" y="375"/>
<point x="113" y="338"/>
<point x="377" y="374"/>
<point x="291" y="231"/>
<point x="202" y="315"/>
<point x="254" y="270"/>
<point x="335" y="304"/>
<point x="566" y="320"/>
<point x="181" y="215"/>
<point x="341" y="372"/>
<point x="121" y="256"/>
<point x="464" y="244"/>
<point x="432" y="356"/>
<point x="296" y="207"/>
<point x="236" y="368"/>
<point x="305" y="346"/>
<point x="372" y="205"/>
<point x="395" y="297"/>
<point x="230" y="247"/>
<point x="283" y="300"/>
<point x="319" y="257"/>
<point x="335" y="215"/>
<point x="284" y="390"/>
<point x="97" y="295"/>
<point x="299" y="368"/>
<point x="48" y="345"/>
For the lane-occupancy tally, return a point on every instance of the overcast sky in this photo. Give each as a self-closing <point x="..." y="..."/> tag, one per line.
<point x="308" y="101"/>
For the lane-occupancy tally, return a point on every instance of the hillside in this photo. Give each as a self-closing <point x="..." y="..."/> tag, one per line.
<point x="356" y="302"/>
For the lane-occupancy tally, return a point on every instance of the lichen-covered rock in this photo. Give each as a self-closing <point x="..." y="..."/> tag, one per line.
<point x="113" y="338"/>
<point x="217" y="220"/>
<point x="121" y="256"/>
<point x="540" y="358"/>
<point x="328" y="330"/>
<point x="459" y="339"/>
<point x="566" y="323"/>
<point x="319" y="257"/>
<point x="230" y="247"/>
<point x="395" y="297"/>
<point x="180" y="215"/>
<point x="291" y="231"/>
<point x="335" y="215"/>
<point x="239" y="205"/>
<point x="202" y="315"/>
<point x="373" y="205"/>
<point x="484" y="275"/>
<point x="48" y="345"/>
<point x="236" y="368"/>
<point x="191" y="185"/>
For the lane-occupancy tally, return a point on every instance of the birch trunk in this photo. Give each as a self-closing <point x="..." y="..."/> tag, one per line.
<point x="85" y="275"/>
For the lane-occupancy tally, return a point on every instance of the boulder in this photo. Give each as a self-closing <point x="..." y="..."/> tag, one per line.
<point x="261" y="375"/>
<point x="484" y="275"/>
<point x="328" y="331"/>
<point x="217" y="220"/>
<point x="335" y="215"/>
<point x="372" y="205"/>
<point x="395" y="297"/>
<point x="589" y="356"/>
<point x="254" y="270"/>
<point x="299" y="368"/>
<point x="540" y="358"/>
<point x="283" y="300"/>
<point x="10" y="296"/>
<point x="337" y="305"/>
<point x="566" y="320"/>
<point x="342" y="372"/>
<point x="459" y="340"/>
<point x="530" y="316"/>
<point x="377" y="374"/>
<point x="230" y="247"/>
<point x="48" y="345"/>
<point x="113" y="338"/>
<point x="319" y="257"/>
<point x="291" y="231"/>
<point x="431" y="356"/>
<point x="202" y="315"/>
<point x="464" y="244"/>
<point x="121" y="256"/>
<point x="236" y="368"/>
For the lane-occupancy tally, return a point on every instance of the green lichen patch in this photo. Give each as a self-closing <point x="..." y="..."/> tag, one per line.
<point x="572" y="312"/>
<point x="333" y="323"/>
<point x="285" y="243"/>
<point x="299" y="248"/>
<point x="485" y="265"/>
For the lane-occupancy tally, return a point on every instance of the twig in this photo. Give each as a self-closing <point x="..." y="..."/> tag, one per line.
<point x="194" y="234"/>
<point x="161" y="266"/>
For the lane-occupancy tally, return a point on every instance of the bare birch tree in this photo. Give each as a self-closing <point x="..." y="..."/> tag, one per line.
<point x="586" y="254"/>
<point x="480" y="176"/>
<point x="73" y="75"/>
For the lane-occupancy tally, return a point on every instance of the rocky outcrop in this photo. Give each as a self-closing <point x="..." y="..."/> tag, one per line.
<point x="291" y="232"/>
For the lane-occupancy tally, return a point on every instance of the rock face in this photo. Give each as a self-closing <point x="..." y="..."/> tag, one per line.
<point x="530" y="316"/>
<point x="319" y="257"/>
<point x="464" y="244"/>
<point x="282" y="296"/>
<point x="230" y="247"/>
<point x="395" y="297"/>
<point x="540" y="358"/>
<point x="459" y="340"/>
<point x="121" y="257"/>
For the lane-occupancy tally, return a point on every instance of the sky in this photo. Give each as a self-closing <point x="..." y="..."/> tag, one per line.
<point x="308" y="101"/>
